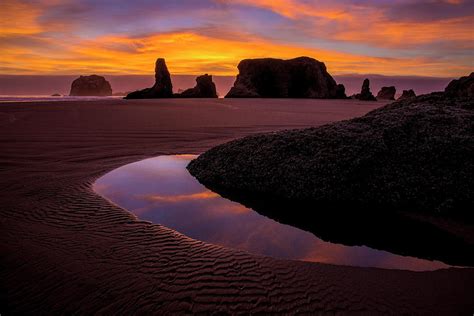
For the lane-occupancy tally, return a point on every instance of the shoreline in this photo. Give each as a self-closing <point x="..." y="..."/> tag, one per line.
<point x="67" y="249"/>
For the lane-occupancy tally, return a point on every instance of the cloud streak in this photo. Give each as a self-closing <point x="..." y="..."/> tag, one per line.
<point x="428" y="37"/>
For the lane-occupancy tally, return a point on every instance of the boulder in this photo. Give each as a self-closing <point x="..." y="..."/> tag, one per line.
<point x="204" y="88"/>
<point x="162" y="88"/>
<point x="462" y="87"/>
<point x="414" y="154"/>
<point x="90" y="86"/>
<point x="301" y="77"/>
<point x="365" y="93"/>
<point x="398" y="178"/>
<point x="407" y="94"/>
<point x="387" y="93"/>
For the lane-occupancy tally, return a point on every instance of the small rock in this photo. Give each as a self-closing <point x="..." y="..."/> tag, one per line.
<point x="387" y="93"/>
<point x="407" y="94"/>
<point x="204" y="88"/>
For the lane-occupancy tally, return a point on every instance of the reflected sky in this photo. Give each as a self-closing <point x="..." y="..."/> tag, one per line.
<point x="162" y="191"/>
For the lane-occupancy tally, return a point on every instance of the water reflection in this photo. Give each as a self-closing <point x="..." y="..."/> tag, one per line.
<point x="162" y="191"/>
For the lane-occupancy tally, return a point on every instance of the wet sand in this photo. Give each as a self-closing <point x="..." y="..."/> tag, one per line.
<point x="67" y="250"/>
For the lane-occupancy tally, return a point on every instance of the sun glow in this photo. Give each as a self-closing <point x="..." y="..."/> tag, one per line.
<point x="64" y="37"/>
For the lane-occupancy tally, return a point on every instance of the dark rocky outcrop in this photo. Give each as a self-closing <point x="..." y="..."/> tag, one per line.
<point x="406" y="167"/>
<point x="90" y="86"/>
<point x="365" y="93"/>
<point x="204" y="88"/>
<point x="162" y="88"/>
<point x="387" y="93"/>
<point x="56" y="95"/>
<point x="301" y="77"/>
<point x="407" y="94"/>
<point x="462" y="87"/>
<point x="415" y="153"/>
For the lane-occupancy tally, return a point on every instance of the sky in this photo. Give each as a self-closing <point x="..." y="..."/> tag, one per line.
<point x="405" y="37"/>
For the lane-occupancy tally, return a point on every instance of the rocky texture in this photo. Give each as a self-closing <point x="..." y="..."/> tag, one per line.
<point x="162" y="88"/>
<point x="410" y="159"/>
<point x="415" y="155"/>
<point x="204" y="88"/>
<point x="463" y="87"/>
<point x="407" y="94"/>
<point x="90" y="86"/>
<point x="365" y="93"/>
<point x="301" y="77"/>
<point x="387" y="93"/>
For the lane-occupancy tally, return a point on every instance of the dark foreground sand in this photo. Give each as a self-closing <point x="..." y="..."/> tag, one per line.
<point x="65" y="249"/>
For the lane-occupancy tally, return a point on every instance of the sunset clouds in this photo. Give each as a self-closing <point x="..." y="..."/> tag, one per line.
<point x="428" y="37"/>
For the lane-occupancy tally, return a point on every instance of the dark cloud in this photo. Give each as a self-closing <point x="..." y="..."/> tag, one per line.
<point x="424" y="11"/>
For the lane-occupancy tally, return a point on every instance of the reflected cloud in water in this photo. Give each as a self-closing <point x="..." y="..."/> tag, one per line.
<point x="162" y="191"/>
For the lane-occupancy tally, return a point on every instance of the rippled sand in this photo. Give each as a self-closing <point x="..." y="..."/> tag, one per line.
<point x="66" y="249"/>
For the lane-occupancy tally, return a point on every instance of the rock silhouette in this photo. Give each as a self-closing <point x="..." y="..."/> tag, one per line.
<point x="415" y="154"/>
<point x="301" y="77"/>
<point x="367" y="160"/>
<point x="204" y="88"/>
<point x="387" y="93"/>
<point x="162" y="88"/>
<point x="365" y="93"/>
<point x="407" y="94"/>
<point x="90" y="86"/>
<point x="462" y="87"/>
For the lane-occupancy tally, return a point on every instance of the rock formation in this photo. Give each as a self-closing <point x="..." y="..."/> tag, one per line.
<point x="407" y="94"/>
<point x="425" y="143"/>
<point x="162" y="88"/>
<point x="204" y="88"/>
<point x="414" y="155"/>
<point x="387" y="93"/>
<point x="365" y="93"/>
<point x="90" y="86"/>
<point x="462" y="87"/>
<point x="302" y="77"/>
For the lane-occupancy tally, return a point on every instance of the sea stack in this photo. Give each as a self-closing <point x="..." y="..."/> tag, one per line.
<point x="462" y="87"/>
<point x="365" y="93"/>
<point x="407" y="94"/>
<point x="90" y="86"/>
<point x="204" y="88"/>
<point x="162" y="88"/>
<point x="387" y="93"/>
<point x="301" y="77"/>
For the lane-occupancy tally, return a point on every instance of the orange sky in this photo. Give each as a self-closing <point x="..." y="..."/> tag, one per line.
<point x="390" y="37"/>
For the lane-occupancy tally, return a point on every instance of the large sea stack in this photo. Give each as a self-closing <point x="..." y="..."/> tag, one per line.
<point x="204" y="88"/>
<point x="90" y="86"/>
<point x="365" y="93"/>
<point x="387" y="93"/>
<point x="301" y="77"/>
<point x="162" y="88"/>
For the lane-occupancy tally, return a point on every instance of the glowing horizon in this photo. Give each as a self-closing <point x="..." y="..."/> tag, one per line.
<point x="59" y="37"/>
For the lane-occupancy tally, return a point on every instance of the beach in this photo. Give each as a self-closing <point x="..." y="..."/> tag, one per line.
<point x="67" y="250"/>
